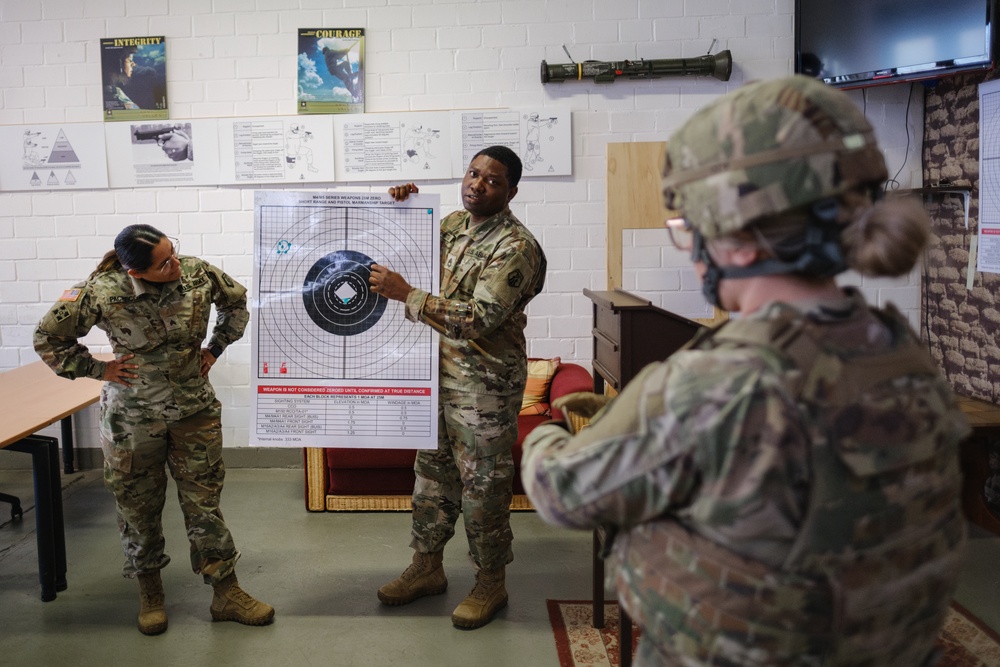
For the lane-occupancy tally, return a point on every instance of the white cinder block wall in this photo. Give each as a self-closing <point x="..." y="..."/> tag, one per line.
<point x="238" y="58"/>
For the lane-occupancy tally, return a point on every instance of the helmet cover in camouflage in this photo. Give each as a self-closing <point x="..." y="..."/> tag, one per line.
<point x="766" y="148"/>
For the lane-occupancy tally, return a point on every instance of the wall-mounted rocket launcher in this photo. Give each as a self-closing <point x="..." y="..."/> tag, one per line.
<point x="719" y="66"/>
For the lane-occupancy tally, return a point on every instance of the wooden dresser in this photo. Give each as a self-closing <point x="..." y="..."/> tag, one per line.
<point x="629" y="333"/>
<point x="975" y="459"/>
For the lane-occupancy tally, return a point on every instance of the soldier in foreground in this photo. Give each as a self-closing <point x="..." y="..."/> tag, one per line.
<point x="785" y="490"/>
<point x="492" y="267"/>
<point x="157" y="406"/>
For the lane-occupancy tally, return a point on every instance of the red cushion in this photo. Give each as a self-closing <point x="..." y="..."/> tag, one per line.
<point x="369" y="458"/>
<point x="371" y="481"/>
<point x="390" y="471"/>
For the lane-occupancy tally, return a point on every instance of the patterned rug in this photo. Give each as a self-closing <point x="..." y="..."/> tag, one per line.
<point x="964" y="640"/>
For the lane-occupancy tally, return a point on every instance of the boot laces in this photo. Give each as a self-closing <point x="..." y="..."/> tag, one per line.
<point x="484" y="585"/>
<point x="240" y="596"/>
<point x="151" y="594"/>
<point x="150" y="599"/>
<point x="412" y="572"/>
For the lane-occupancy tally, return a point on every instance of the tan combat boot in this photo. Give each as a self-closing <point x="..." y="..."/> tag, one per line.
<point x="487" y="598"/>
<point x="424" y="576"/>
<point x="232" y="603"/>
<point x="152" y="609"/>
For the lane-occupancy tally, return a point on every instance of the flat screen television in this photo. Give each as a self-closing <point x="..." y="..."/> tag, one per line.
<point x="855" y="43"/>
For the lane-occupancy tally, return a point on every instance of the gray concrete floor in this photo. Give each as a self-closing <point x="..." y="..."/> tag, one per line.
<point x="319" y="570"/>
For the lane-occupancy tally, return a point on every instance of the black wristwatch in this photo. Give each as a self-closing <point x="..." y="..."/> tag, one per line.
<point x="216" y="350"/>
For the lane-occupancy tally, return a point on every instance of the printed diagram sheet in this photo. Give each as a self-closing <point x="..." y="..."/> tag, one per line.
<point x="540" y="137"/>
<point x="68" y="156"/>
<point x="156" y="153"/>
<point x="394" y="146"/>
<point x="335" y="365"/>
<point x="278" y="149"/>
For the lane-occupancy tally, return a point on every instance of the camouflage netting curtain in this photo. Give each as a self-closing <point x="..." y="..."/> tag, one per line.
<point x="960" y="324"/>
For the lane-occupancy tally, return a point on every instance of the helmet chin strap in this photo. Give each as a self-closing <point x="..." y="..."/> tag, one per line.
<point x="821" y="255"/>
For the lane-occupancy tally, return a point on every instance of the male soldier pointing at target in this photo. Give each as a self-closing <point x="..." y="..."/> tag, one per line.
<point x="491" y="268"/>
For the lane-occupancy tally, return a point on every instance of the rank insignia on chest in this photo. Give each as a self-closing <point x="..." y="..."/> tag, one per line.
<point x="70" y="295"/>
<point x="450" y="262"/>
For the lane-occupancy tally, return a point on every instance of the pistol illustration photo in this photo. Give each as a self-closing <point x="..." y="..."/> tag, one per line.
<point x="154" y="133"/>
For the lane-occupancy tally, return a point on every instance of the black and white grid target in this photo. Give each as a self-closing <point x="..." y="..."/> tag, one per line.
<point x="317" y="317"/>
<point x="989" y="148"/>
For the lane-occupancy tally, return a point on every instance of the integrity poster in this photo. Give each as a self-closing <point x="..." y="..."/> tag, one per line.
<point x="331" y="64"/>
<point x="134" y="78"/>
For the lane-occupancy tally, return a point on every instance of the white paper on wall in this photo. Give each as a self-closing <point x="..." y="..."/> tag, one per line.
<point x="988" y="249"/>
<point x="393" y="146"/>
<point x="276" y="149"/>
<point x="542" y="138"/>
<point x="60" y="156"/>
<point x="163" y="153"/>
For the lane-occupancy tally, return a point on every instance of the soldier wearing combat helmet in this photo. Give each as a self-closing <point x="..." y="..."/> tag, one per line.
<point x="785" y="489"/>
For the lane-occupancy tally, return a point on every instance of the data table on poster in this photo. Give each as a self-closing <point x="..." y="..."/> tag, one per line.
<point x="397" y="412"/>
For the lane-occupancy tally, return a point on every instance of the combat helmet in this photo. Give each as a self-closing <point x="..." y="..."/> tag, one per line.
<point x="766" y="148"/>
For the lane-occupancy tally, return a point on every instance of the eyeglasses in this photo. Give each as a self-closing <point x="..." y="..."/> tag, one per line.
<point x="173" y="255"/>
<point x="681" y="233"/>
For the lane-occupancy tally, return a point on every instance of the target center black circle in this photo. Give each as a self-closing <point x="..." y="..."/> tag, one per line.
<point x="336" y="294"/>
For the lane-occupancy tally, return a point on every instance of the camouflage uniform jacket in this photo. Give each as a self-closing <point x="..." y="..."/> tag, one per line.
<point x="786" y="490"/>
<point x="489" y="273"/>
<point x="164" y="326"/>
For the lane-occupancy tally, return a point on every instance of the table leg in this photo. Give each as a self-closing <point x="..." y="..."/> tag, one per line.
<point x="624" y="637"/>
<point x="58" y="527"/>
<point x="598" y="567"/>
<point x="49" y="535"/>
<point x="598" y="583"/>
<point x="67" y="443"/>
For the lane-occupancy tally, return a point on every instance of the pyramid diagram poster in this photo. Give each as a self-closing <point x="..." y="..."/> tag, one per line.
<point x="334" y="365"/>
<point x="59" y="156"/>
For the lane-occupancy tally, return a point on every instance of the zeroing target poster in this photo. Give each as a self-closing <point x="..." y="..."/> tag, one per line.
<point x="333" y="364"/>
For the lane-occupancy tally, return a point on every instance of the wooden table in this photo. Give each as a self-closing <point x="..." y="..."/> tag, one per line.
<point x="34" y="397"/>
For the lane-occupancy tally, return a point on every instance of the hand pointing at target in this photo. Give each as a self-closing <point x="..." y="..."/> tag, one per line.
<point x="388" y="284"/>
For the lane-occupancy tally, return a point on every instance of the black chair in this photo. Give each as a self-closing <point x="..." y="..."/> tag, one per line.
<point x="15" y="505"/>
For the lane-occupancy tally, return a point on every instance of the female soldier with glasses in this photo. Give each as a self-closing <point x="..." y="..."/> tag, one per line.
<point x="158" y="408"/>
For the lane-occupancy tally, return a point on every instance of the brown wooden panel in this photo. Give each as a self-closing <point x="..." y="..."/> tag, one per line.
<point x="635" y="201"/>
<point x="634" y="196"/>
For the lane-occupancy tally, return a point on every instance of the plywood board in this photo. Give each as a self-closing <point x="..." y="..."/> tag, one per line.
<point x="635" y="201"/>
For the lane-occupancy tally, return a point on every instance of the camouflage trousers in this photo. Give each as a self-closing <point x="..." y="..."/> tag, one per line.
<point x="472" y="474"/>
<point x="137" y="451"/>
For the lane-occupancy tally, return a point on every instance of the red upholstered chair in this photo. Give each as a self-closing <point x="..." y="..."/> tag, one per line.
<point x="340" y="479"/>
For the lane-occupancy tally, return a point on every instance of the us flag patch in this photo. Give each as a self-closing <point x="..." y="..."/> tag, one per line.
<point x="70" y="295"/>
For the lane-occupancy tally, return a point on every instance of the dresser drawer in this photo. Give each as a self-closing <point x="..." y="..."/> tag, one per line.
<point x="607" y="359"/>
<point x="608" y="322"/>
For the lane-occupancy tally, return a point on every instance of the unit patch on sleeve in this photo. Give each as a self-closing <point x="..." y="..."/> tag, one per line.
<point x="61" y="313"/>
<point x="515" y="278"/>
